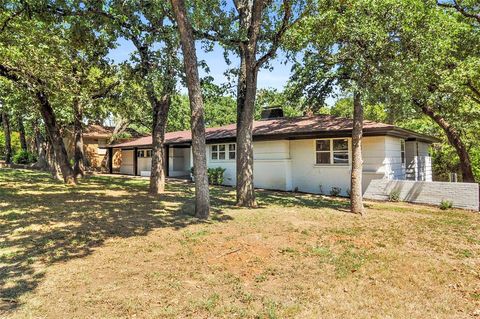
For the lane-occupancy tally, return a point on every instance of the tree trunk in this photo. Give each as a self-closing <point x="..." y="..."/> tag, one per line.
<point x="202" y="201"/>
<point x="52" y="162"/>
<point x="79" y="156"/>
<point x="454" y="139"/>
<point x="356" y="198"/>
<point x="246" y="91"/>
<point x="160" y="108"/>
<point x="120" y="126"/>
<point x="21" y="131"/>
<point x="160" y="115"/>
<point x="60" y="154"/>
<point x="250" y="20"/>
<point x="41" y="149"/>
<point x="6" y="132"/>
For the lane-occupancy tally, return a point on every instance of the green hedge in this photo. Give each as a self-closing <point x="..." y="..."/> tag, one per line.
<point x="215" y="175"/>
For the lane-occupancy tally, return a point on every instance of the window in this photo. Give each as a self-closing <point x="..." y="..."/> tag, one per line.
<point x="402" y="150"/>
<point x="332" y="151"/>
<point x="144" y="153"/>
<point x="223" y="152"/>
<point x="232" y="151"/>
<point x="323" y="151"/>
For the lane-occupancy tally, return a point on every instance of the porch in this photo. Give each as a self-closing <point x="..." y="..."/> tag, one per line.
<point x="137" y="161"/>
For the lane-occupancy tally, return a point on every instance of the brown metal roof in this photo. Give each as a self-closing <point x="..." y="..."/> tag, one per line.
<point x="286" y="128"/>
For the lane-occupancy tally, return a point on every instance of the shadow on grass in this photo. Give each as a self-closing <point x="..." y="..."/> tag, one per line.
<point x="43" y="221"/>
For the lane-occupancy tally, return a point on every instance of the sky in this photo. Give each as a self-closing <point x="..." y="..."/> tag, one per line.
<point x="276" y="79"/>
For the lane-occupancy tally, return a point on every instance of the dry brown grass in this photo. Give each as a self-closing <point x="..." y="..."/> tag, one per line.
<point x="106" y="249"/>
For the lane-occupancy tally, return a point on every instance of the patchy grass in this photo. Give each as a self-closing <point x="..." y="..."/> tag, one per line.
<point x="106" y="249"/>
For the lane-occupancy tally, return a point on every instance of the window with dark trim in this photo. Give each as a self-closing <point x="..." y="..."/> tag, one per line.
<point x="402" y="150"/>
<point x="331" y="152"/>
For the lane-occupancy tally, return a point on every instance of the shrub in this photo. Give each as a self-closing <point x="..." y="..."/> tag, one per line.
<point x="335" y="191"/>
<point x="394" y="195"/>
<point x="446" y="204"/>
<point x="215" y="175"/>
<point x="24" y="157"/>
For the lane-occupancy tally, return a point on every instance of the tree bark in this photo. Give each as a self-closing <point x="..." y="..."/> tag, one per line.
<point x="202" y="201"/>
<point x="454" y="139"/>
<point x="160" y="108"/>
<point x="157" y="175"/>
<point x="21" y="131"/>
<point x="250" y="21"/>
<point x="356" y="198"/>
<point x="246" y="93"/>
<point x="55" y="138"/>
<point x="52" y="162"/>
<point x="41" y="147"/>
<point x="120" y="127"/>
<point x="79" y="156"/>
<point x="7" y="134"/>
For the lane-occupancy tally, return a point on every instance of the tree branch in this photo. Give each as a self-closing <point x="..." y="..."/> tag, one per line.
<point x="11" y="17"/>
<point x="278" y="36"/>
<point x="102" y="93"/>
<point x="215" y="37"/>
<point x="475" y="90"/>
<point x="460" y="9"/>
<point x="8" y="73"/>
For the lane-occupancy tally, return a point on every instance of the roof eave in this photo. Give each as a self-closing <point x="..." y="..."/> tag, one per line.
<point x="382" y="131"/>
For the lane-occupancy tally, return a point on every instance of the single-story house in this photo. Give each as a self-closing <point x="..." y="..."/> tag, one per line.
<point x="309" y="154"/>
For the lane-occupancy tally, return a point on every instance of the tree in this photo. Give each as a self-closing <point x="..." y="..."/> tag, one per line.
<point x="202" y="202"/>
<point x="467" y="8"/>
<point x="32" y="55"/>
<point x="347" y="55"/>
<point x="422" y="60"/>
<point x="6" y="133"/>
<point x="21" y="131"/>
<point x="49" y="118"/>
<point x="253" y="30"/>
<point x="357" y="163"/>
<point x="437" y="69"/>
<point x="147" y="25"/>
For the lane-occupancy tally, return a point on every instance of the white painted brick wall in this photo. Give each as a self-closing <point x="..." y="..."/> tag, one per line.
<point x="462" y="195"/>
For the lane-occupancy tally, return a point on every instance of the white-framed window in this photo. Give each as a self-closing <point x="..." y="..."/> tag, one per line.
<point x="331" y="151"/>
<point x="402" y="151"/>
<point x="144" y="153"/>
<point x="232" y="151"/>
<point x="222" y="152"/>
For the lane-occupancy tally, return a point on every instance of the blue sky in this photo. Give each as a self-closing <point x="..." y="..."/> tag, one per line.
<point x="277" y="78"/>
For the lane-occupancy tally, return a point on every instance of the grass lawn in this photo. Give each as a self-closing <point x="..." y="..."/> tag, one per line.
<point x="106" y="249"/>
